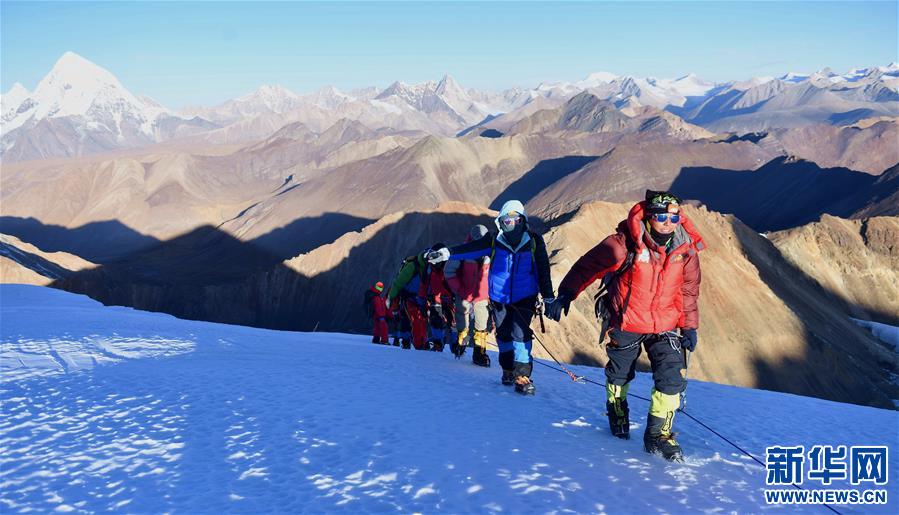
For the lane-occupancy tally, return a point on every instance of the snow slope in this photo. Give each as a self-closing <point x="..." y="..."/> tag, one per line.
<point x="111" y="409"/>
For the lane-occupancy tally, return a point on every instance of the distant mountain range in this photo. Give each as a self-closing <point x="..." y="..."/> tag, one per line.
<point x="80" y="108"/>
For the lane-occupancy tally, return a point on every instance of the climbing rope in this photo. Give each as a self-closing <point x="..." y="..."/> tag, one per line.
<point x="583" y="379"/>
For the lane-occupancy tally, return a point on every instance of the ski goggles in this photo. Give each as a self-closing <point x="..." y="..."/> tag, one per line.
<point x="510" y="219"/>
<point x="664" y="217"/>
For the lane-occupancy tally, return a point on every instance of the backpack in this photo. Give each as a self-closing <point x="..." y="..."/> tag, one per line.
<point x="602" y="306"/>
<point x="367" y="304"/>
<point x="419" y="270"/>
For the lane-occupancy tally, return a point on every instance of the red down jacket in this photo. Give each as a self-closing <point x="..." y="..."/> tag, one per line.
<point x="660" y="290"/>
<point x="470" y="280"/>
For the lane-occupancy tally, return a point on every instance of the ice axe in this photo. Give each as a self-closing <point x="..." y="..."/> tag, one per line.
<point x="540" y="316"/>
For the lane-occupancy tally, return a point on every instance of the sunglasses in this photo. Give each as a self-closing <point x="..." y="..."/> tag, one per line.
<point x="511" y="220"/>
<point x="663" y="217"/>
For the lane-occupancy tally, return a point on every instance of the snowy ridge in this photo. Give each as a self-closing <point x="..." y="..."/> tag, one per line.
<point x="80" y="108"/>
<point x="114" y="409"/>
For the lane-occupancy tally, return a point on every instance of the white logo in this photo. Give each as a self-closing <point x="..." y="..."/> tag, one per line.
<point x="644" y="256"/>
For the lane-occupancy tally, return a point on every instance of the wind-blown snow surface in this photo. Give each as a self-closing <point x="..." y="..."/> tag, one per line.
<point x="107" y="408"/>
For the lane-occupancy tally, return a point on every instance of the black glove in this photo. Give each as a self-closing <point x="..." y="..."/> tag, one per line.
<point x="689" y="339"/>
<point x="555" y="307"/>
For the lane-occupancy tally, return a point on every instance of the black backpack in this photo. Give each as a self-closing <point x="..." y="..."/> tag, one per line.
<point x="369" y="309"/>
<point x="602" y="306"/>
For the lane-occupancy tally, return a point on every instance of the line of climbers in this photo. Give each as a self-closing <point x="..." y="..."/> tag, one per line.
<point x="649" y="288"/>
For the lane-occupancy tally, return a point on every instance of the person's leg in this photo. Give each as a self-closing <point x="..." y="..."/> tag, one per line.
<point x="404" y="327"/>
<point x="481" y="313"/>
<point x="419" y="325"/>
<point x="463" y="311"/>
<point x="504" y="322"/>
<point x="667" y="360"/>
<point x="449" y="317"/>
<point x="381" y="330"/>
<point x="522" y="340"/>
<point x="623" y="350"/>
<point x="437" y="321"/>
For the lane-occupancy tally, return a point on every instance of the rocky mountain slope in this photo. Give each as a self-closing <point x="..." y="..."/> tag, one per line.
<point x="765" y="322"/>
<point x="23" y="263"/>
<point x="857" y="261"/>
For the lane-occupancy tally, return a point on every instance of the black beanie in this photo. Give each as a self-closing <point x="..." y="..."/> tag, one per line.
<point x="658" y="201"/>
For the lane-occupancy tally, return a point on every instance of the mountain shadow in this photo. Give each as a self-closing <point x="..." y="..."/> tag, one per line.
<point x="752" y="137"/>
<point x="208" y="274"/>
<point x="850" y="117"/>
<point x="98" y="242"/>
<point x="305" y="234"/>
<point x="543" y="175"/>
<point x="486" y="120"/>
<point x="200" y="275"/>
<point x="205" y="247"/>
<point x="783" y="193"/>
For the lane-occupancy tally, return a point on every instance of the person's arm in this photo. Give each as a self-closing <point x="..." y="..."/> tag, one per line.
<point x="544" y="279"/>
<point x="690" y="291"/>
<point x="472" y="250"/>
<point x="598" y="261"/>
<point x="452" y="272"/>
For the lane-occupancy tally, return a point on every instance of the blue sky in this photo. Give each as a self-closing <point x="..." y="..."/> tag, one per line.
<point x="206" y="52"/>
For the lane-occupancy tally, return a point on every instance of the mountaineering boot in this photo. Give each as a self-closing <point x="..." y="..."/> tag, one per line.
<point x="479" y="355"/>
<point x="405" y="343"/>
<point x="657" y="442"/>
<point x="619" y="420"/>
<point x="480" y="358"/>
<point x="524" y="385"/>
<point x="522" y="374"/>
<point x="458" y="347"/>
<point x="396" y="342"/>
<point x="658" y="438"/>
<point x="508" y="378"/>
<point x="617" y="410"/>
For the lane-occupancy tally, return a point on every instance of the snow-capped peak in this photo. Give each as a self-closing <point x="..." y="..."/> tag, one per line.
<point x="12" y="99"/>
<point x="795" y="77"/>
<point x="691" y="85"/>
<point x="328" y="97"/>
<point x="410" y="93"/>
<point x="17" y="90"/>
<point x="449" y="86"/>
<point x="270" y="97"/>
<point x="74" y="84"/>
<point x="601" y="77"/>
<point x="268" y="93"/>
<point x="78" y="87"/>
<point x="596" y="79"/>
